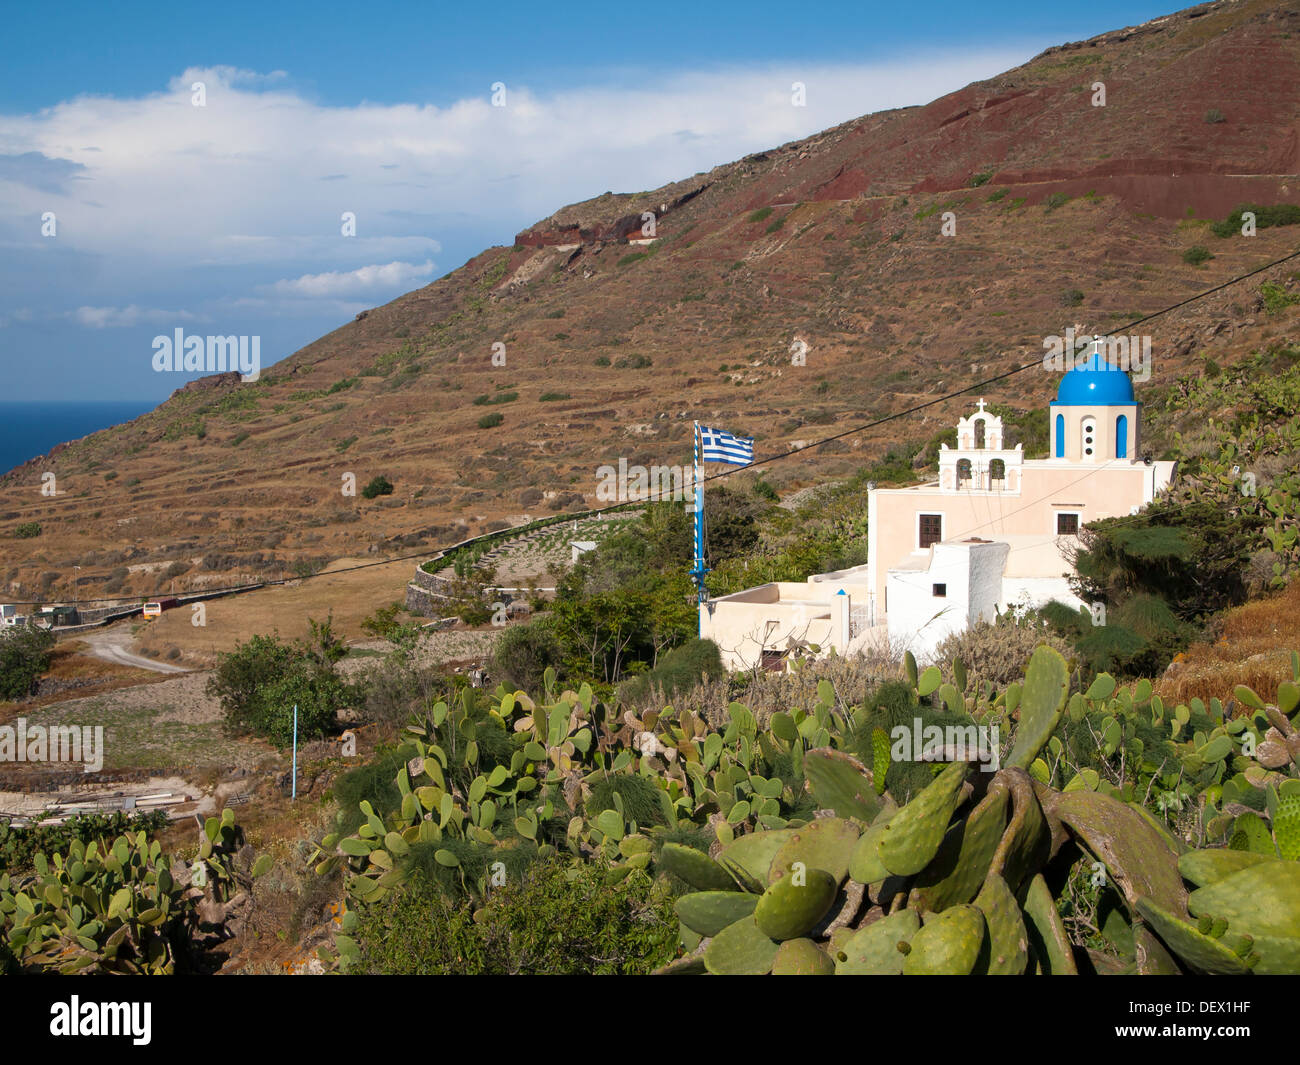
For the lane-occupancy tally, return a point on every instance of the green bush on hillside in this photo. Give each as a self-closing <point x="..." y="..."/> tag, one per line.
<point x="678" y="671"/>
<point x="262" y="679"/>
<point x="552" y="921"/>
<point x="1278" y="214"/>
<point x="25" y="654"/>
<point x="379" y="486"/>
<point x="523" y="654"/>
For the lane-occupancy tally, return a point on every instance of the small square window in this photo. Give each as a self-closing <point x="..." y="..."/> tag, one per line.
<point x="940" y="591"/>
<point x="1067" y="525"/>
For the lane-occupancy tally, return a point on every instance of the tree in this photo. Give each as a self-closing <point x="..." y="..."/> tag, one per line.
<point x="262" y="679"/>
<point x="25" y="654"/>
<point x="1193" y="556"/>
<point x="379" y="486"/>
<point x="524" y="653"/>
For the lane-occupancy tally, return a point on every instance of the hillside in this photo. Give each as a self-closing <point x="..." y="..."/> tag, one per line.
<point x="1066" y="213"/>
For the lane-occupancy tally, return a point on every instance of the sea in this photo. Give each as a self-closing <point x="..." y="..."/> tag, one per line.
<point x="31" y="429"/>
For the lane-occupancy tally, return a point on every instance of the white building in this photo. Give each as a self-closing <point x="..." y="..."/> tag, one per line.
<point x="993" y="531"/>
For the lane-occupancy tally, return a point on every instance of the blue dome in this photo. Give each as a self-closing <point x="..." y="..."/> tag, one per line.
<point x="1095" y="383"/>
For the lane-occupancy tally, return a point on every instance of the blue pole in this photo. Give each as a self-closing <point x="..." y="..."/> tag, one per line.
<point x="698" y="570"/>
<point x="295" y="751"/>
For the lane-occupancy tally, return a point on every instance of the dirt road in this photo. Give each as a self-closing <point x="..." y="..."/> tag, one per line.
<point x="112" y="645"/>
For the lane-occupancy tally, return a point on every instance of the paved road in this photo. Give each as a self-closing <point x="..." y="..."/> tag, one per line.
<point x="112" y="645"/>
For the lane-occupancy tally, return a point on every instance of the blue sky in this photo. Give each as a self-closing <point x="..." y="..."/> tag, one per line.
<point x="226" y="218"/>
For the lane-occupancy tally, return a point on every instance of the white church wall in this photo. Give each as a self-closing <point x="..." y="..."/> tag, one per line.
<point x="1031" y="592"/>
<point x="971" y="575"/>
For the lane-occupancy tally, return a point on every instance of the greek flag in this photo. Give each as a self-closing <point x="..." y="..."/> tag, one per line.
<point x="717" y="446"/>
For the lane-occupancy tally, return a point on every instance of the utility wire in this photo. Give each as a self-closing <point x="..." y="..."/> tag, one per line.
<point x="779" y="456"/>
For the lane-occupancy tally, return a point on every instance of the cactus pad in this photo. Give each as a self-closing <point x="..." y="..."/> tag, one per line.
<point x="792" y="906"/>
<point x="1286" y="827"/>
<point x="839" y="782"/>
<point x="825" y="844"/>
<point x="695" y="867"/>
<point x="1047" y="938"/>
<point x="1250" y="833"/>
<point x="709" y="912"/>
<point x="1006" y="949"/>
<point x="962" y="862"/>
<point x="1134" y="852"/>
<point x="750" y="857"/>
<point x="865" y="866"/>
<point x="1026" y="842"/>
<point x="1203" y="868"/>
<point x="802" y="957"/>
<point x="1200" y="952"/>
<point x="1262" y="899"/>
<point x="740" y="949"/>
<point x="1047" y="681"/>
<point x="912" y="837"/>
<point x="948" y="944"/>
<point x="874" y="950"/>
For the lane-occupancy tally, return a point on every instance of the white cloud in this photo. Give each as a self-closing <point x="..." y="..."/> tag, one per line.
<point x="366" y="279"/>
<point x="205" y="206"/>
<point x="125" y="317"/>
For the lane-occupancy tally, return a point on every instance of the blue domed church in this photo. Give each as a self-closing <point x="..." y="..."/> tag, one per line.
<point x="1094" y="416"/>
<point x="994" y="531"/>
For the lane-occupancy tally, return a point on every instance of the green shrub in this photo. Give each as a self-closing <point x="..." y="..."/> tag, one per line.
<point x="638" y="795"/>
<point x="25" y="654"/>
<point x="634" y="362"/>
<point x="776" y="224"/>
<point x="1276" y="298"/>
<point x="760" y="215"/>
<point x="375" y="783"/>
<point x="1197" y="254"/>
<point x="554" y="920"/>
<point x="891" y="705"/>
<point x="552" y="397"/>
<point x="28" y="530"/>
<point x="997" y="651"/>
<point x="379" y="486"/>
<point x="523" y="654"/>
<point x="1071" y="297"/>
<point x="491" y="421"/>
<point x="262" y="679"/>
<point x="1266" y="216"/>
<point x="982" y="178"/>
<point x="996" y="195"/>
<point x="600" y="360"/>
<point x="632" y="257"/>
<point x="1055" y="200"/>
<point x="678" y="671"/>
<point x="1213" y="116"/>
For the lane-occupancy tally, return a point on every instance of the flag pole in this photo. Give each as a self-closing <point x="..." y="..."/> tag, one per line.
<point x="698" y="570"/>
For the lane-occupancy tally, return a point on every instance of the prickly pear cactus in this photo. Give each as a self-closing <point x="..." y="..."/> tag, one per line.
<point x="960" y="879"/>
